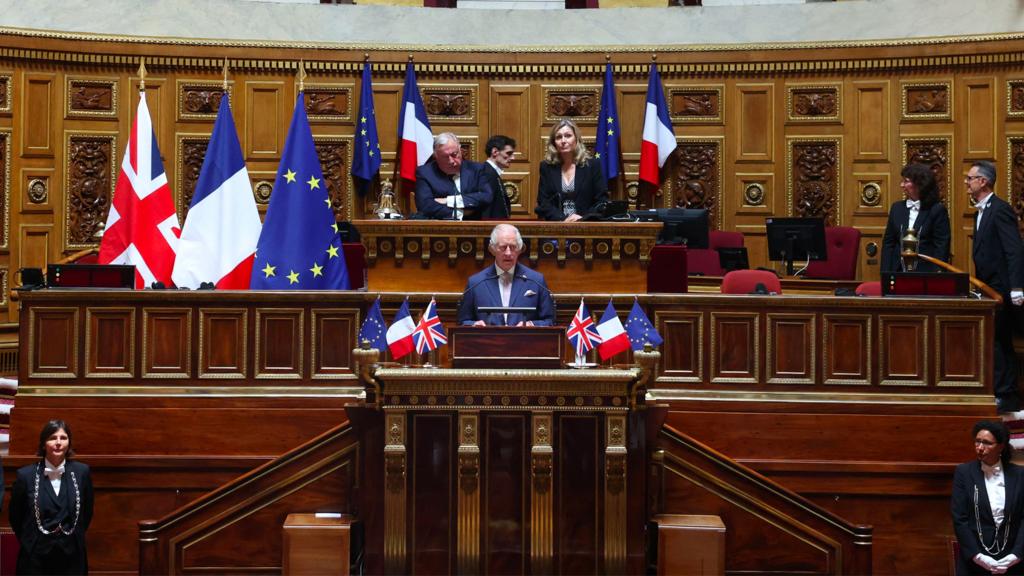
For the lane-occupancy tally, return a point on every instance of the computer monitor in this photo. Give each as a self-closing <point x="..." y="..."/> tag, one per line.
<point x="686" y="226"/>
<point x="733" y="258"/>
<point x="792" y="239"/>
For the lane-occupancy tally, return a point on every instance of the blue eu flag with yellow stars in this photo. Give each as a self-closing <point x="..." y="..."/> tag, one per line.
<point x="606" y="149"/>
<point x="366" y="156"/>
<point x="299" y="248"/>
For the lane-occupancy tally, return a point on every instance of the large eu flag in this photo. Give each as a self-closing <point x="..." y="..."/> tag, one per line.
<point x="299" y="248"/>
<point x="366" y="156"/>
<point x="607" y="146"/>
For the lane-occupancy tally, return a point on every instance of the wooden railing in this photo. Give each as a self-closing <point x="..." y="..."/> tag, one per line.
<point x="769" y="529"/>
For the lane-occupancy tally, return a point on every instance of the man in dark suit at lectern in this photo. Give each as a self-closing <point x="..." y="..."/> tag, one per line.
<point x="507" y="284"/>
<point x="998" y="262"/>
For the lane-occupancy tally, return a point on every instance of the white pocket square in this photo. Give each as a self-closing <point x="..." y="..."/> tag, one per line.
<point x="529" y="293"/>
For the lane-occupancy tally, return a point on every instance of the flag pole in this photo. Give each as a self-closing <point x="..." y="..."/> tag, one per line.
<point x="142" y="74"/>
<point x="301" y="75"/>
<point x="225" y="70"/>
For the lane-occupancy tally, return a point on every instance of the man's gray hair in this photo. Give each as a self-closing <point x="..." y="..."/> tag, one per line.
<point x="444" y="138"/>
<point x="500" y="228"/>
<point x="986" y="170"/>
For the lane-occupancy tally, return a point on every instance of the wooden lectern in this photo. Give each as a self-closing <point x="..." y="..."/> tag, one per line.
<point x="503" y="469"/>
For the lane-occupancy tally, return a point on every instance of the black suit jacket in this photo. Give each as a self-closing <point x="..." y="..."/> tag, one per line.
<point x="432" y="183"/>
<point x="54" y="508"/>
<point x="968" y="479"/>
<point x="501" y="206"/>
<point x="933" y="235"/>
<point x="591" y="189"/>
<point x="997" y="248"/>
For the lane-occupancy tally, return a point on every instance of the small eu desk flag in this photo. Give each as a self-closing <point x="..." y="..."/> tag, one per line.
<point x="299" y="248"/>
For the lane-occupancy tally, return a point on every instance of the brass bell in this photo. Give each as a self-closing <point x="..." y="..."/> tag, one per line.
<point x="386" y="204"/>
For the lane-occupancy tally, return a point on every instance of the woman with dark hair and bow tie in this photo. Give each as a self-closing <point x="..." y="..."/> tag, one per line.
<point x="923" y="211"/>
<point x="51" y="507"/>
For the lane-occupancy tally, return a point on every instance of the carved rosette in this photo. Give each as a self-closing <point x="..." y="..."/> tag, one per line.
<point x="1016" y="179"/>
<point x="191" y="153"/>
<point x="927" y="101"/>
<point x="870" y="194"/>
<point x="199" y="99"/>
<point x="336" y="161"/>
<point x="814" y="179"/>
<point x="698" y="176"/>
<point x="753" y="194"/>
<point x="38" y="190"/>
<point x="450" y="103"/>
<point x="329" y="102"/>
<point x="813" y="103"/>
<point x="935" y="153"/>
<point x="91" y="97"/>
<point x="262" y="190"/>
<point x="89" y="186"/>
<point x="695" y="104"/>
<point x="6" y="93"/>
<point x="1015" y="98"/>
<point x="576" y="103"/>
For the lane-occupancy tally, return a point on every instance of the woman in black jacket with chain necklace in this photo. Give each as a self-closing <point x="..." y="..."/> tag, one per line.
<point x="51" y="507"/>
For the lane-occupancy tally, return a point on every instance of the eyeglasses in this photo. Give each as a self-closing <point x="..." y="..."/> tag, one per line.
<point x="968" y="178"/>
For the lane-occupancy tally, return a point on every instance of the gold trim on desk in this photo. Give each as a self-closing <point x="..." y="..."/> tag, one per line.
<point x="195" y="391"/>
<point x="853" y="398"/>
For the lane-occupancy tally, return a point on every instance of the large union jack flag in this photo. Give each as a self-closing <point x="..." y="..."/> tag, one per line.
<point x="582" y="332"/>
<point x="142" y="226"/>
<point x="429" y="332"/>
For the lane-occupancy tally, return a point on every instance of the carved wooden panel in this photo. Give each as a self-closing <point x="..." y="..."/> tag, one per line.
<point x="450" y="103"/>
<point x="53" y="342"/>
<point x="166" y="342"/>
<point x="329" y="102"/>
<point x="979" y="117"/>
<point x="432" y="457"/>
<point x="813" y="169"/>
<point x="470" y="149"/>
<point x="34" y="245"/>
<point x="5" y="285"/>
<point x="1015" y="167"/>
<point x="89" y="180"/>
<point x="578" y="103"/>
<point x="280" y="339"/>
<point x="1015" y="98"/>
<point x="579" y="479"/>
<point x="903" y="350"/>
<point x="696" y="104"/>
<point x="333" y="337"/>
<point x="37" y="120"/>
<point x="814" y="103"/>
<point x="846" y="348"/>
<point x="336" y="162"/>
<point x="223" y="342"/>
<point x="960" y="351"/>
<point x="6" y="92"/>
<point x="190" y="152"/>
<point x="90" y="97"/>
<point x="871" y="121"/>
<point x="200" y="99"/>
<point x="735" y="348"/>
<point x="755" y="123"/>
<point x="683" y="355"/>
<point x="266" y="112"/>
<point x="791" y="349"/>
<point x="935" y="152"/>
<point x="5" y="188"/>
<point x="504" y="524"/>
<point x="110" y="342"/>
<point x="697" y="181"/>
<point x="926" y="101"/>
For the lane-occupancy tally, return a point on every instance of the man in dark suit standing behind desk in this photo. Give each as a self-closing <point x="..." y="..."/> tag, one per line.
<point x="507" y="284"/>
<point x="999" y="262"/>
<point x="500" y="151"/>
<point x="449" y="188"/>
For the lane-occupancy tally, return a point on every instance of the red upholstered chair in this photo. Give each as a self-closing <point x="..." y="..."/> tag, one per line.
<point x="745" y="281"/>
<point x="869" y="289"/>
<point x="705" y="260"/>
<point x="842" y="242"/>
<point x="9" y="547"/>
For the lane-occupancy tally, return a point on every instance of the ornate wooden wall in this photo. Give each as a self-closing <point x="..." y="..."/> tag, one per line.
<point x="803" y="130"/>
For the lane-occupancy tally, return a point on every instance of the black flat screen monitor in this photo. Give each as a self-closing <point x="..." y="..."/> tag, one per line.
<point x="686" y="226"/>
<point x="733" y="258"/>
<point x="791" y="239"/>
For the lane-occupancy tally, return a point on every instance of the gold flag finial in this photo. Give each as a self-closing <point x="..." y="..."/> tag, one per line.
<point x="654" y="57"/>
<point x="225" y="69"/>
<point x="302" y="75"/>
<point x="142" y="74"/>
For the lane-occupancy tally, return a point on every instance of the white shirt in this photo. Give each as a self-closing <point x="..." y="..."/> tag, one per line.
<point x="54" y="474"/>
<point x="995" y="486"/>
<point x="914" y="208"/>
<point x="455" y="201"/>
<point x="504" y="284"/>
<point x="495" y="166"/>
<point x="980" y="207"/>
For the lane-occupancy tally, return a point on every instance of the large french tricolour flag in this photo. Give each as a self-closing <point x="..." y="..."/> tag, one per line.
<point x="658" y="140"/>
<point x="413" y="128"/>
<point x="222" y="227"/>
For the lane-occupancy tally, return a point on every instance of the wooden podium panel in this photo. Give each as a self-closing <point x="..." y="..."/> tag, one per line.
<point x="507" y="346"/>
